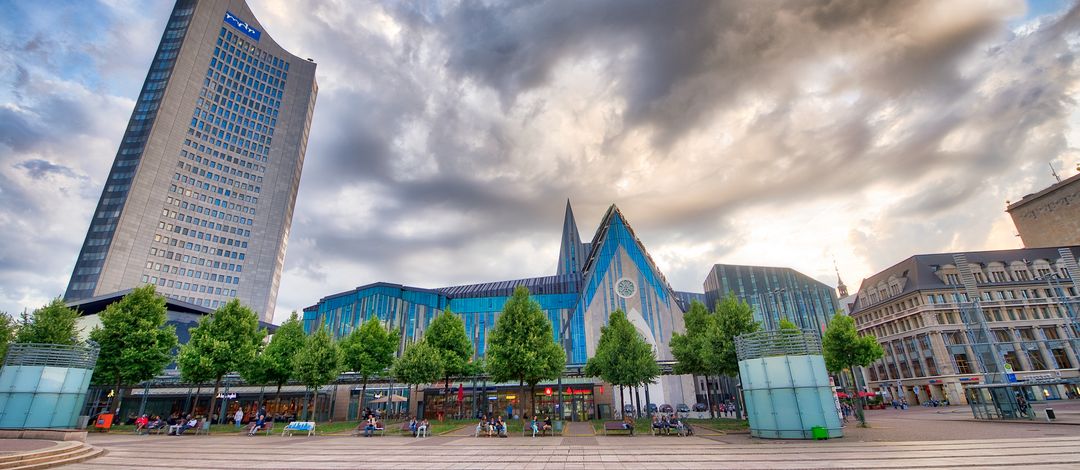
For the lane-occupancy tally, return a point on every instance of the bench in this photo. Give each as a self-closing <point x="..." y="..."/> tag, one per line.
<point x="267" y="426"/>
<point x="203" y="427"/>
<point x="163" y="427"/>
<point x="613" y="426"/>
<point x="380" y="429"/>
<point x="299" y="426"/>
<point x="405" y="429"/>
<point x="526" y="429"/>
<point x="680" y="431"/>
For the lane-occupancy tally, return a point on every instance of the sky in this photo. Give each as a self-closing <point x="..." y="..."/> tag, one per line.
<point x="448" y="136"/>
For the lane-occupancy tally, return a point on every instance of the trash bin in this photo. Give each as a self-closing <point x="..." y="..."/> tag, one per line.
<point x="104" y="421"/>
<point x="819" y="432"/>
<point x="83" y="421"/>
<point x="1050" y="416"/>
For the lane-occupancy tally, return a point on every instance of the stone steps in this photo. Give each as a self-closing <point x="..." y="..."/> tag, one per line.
<point x="64" y="453"/>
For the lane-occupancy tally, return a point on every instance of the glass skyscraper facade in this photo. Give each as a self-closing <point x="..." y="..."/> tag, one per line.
<point x="774" y="293"/>
<point x="200" y="196"/>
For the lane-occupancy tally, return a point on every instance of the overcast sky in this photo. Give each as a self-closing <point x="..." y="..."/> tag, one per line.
<point x="448" y="136"/>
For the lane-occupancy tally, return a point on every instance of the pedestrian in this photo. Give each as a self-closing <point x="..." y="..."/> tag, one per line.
<point x="238" y="417"/>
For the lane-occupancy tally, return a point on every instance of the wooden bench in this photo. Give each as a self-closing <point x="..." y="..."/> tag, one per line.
<point x="267" y="426"/>
<point x="380" y="429"/>
<point x="612" y="426"/>
<point x="405" y="429"/>
<point x="203" y="427"/>
<point x="299" y="426"/>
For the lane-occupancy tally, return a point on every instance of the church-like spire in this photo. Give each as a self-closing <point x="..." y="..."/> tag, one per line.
<point x="571" y="255"/>
<point x="841" y="288"/>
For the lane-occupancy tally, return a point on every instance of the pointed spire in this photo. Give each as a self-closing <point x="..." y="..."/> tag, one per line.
<point x="841" y="288"/>
<point x="571" y="255"/>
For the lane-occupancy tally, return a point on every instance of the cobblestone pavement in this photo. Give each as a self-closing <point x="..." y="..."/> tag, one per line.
<point x="926" y="438"/>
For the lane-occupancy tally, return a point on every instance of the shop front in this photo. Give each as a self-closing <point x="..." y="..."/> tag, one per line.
<point x="169" y="401"/>
<point x="576" y="402"/>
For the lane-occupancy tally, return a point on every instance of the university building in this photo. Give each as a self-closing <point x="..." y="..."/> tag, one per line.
<point x="952" y="319"/>
<point x="200" y="196"/>
<point x="613" y="270"/>
<point x="1050" y="217"/>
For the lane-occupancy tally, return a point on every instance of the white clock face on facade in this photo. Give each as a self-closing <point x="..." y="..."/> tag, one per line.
<point x="625" y="288"/>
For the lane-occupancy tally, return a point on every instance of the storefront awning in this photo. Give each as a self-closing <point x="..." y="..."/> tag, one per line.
<point x="243" y="390"/>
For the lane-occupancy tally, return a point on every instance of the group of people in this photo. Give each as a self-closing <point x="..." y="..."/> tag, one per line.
<point x="145" y="424"/>
<point x="665" y="424"/>
<point x="540" y="426"/>
<point x="255" y="425"/>
<point x="493" y="425"/>
<point x="419" y="428"/>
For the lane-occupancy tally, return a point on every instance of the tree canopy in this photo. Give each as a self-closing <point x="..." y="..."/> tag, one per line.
<point x="522" y="346"/>
<point x="844" y="349"/>
<point x="275" y="364"/>
<point x="788" y="325"/>
<point x="368" y="351"/>
<point x="419" y="364"/>
<point x="51" y="324"/>
<point x="318" y="363"/>
<point x="690" y="349"/>
<point x="623" y="356"/>
<point x="734" y="317"/>
<point x="446" y="334"/>
<point x="135" y="343"/>
<point x="225" y="341"/>
<point x="7" y="334"/>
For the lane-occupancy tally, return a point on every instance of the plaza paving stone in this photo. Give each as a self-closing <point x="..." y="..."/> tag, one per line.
<point x="917" y="438"/>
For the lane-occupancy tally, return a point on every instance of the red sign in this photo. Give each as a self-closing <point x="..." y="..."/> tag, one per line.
<point x="547" y="391"/>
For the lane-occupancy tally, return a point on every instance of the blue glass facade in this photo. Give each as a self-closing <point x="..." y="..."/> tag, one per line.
<point x="774" y="293"/>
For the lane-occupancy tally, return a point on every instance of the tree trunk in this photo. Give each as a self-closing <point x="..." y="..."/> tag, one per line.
<point x="622" y="401"/>
<point x="858" y="399"/>
<point x="115" y="405"/>
<point x="446" y="396"/>
<point x="213" y="400"/>
<point x="277" y="399"/>
<point x="363" y="394"/>
<point x="532" y="398"/>
<point x="521" y="399"/>
<point x="315" y="404"/>
<point x="708" y="399"/>
<point x="195" y="404"/>
<point x="738" y="401"/>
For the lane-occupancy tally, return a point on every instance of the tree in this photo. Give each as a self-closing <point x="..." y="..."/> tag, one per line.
<point x="446" y="334"/>
<point x="787" y="325"/>
<point x="368" y="351"/>
<point x="275" y="364"/>
<point x="623" y="357"/>
<point x="733" y="318"/>
<point x="8" y="328"/>
<point x="51" y="324"/>
<point x="135" y="343"/>
<point x="691" y="349"/>
<point x="318" y="363"/>
<point x="522" y="345"/>
<point x="225" y="341"/>
<point x="419" y="364"/>
<point x="845" y="349"/>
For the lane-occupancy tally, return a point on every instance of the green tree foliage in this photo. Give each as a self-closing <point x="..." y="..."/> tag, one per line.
<point x="8" y="328"/>
<point x="52" y="324"/>
<point x="275" y="364"/>
<point x="446" y="334"/>
<point x="691" y="349"/>
<point x="623" y="356"/>
<point x="845" y="349"/>
<point x="368" y="351"/>
<point x="522" y="346"/>
<point x="318" y="363"/>
<point x="733" y="318"/>
<point x="227" y="340"/>
<point x="787" y="325"/>
<point x="135" y="343"/>
<point x="419" y="364"/>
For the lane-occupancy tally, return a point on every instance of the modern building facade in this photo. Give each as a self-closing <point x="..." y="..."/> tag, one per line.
<point x="950" y="319"/>
<point x="774" y="293"/>
<point x="612" y="271"/>
<point x="200" y="196"/>
<point x="1050" y="217"/>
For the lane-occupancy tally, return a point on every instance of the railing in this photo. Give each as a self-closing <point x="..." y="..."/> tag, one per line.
<point x="777" y="343"/>
<point x="51" y="355"/>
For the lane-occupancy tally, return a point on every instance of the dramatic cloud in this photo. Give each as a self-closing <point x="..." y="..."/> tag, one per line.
<point x="448" y="136"/>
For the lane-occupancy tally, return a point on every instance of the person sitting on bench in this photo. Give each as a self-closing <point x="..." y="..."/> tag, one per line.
<point x="422" y="429"/>
<point x="369" y="426"/>
<point x="547" y="425"/>
<point x="628" y="424"/>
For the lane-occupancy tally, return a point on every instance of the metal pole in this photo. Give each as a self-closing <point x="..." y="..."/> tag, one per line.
<point x="142" y="403"/>
<point x="558" y="406"/>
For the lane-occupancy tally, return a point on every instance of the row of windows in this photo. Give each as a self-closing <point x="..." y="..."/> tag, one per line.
<point x="192" y="273"/>
<point x="195" y="260"/>
<point x="187" y="286"/>
<point x="198" y="247"/>
<point x="949" y="298"/>
<point x="198" y="235"/>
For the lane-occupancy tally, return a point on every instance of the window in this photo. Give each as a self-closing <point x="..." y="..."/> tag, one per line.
<point x="1061" y="358"/>
<point x="1036" y="360"/>
<point x="1051" y="333"/>
<point x="952" y="279"/>
<point x="962" y="364"/>
<point x="1012" y="359"/>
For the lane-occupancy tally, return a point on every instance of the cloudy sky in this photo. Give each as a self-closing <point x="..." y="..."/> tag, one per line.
<point x="448" y="135"/>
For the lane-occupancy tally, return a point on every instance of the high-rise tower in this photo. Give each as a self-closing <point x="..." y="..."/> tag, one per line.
<point x="200" y="196"/>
